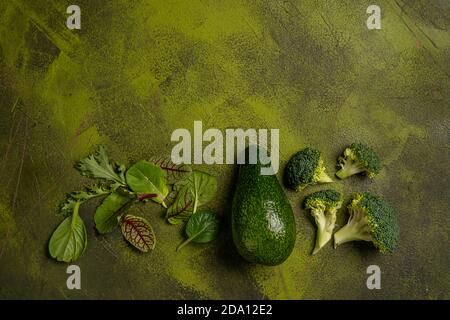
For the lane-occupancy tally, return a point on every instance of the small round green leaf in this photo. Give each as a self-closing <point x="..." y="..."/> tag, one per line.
<point x="203" y="227"/>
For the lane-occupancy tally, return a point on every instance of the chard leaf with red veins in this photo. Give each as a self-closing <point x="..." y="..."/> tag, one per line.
<point x="138" y="232"/>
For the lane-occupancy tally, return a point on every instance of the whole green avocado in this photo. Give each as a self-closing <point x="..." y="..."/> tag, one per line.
<point x="262" y="220"/>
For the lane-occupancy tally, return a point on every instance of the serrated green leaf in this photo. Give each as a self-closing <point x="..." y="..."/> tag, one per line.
<point x="138" y="232"/>
<point x="98" y="166"/>
<point x="66" y="209"/>
<point x="146" y="178"/>
<point x="109" y="210"/>
<point x="69" y="240"/>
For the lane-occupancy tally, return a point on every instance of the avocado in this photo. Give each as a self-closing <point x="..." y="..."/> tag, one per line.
<point x="262" y="220"/>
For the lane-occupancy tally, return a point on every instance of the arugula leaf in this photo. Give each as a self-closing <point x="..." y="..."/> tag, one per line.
<point x="202" y="227"/>
<point x="66" y="209"/>
<point x="194" y="191"/>
<point x="112" y="207"/>
<point x="175" y="172"/>
<point x="146" y="178"/>
<point x="69" y="240"/>
<point x="138" y="232"/>
<point x="98" y="166"/>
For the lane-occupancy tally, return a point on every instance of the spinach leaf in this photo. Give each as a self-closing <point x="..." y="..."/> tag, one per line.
<point x="146" y="178"/>
<point x="69" y="240"/>
<point x="98" y="166"/>
<point x="138" y="232"/>
<point x="202" y="227"/>
<point x="175" y="172"/>
<point x="194" y="191"/>
<point x="109" y="210"/>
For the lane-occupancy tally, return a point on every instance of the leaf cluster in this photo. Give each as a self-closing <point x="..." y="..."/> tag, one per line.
<point x="158" y="180"/>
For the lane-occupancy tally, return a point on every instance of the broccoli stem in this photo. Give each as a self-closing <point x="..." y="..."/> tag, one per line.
<point x="322" y="239"/>
<point x="325" y="224"/>
<point x="357" y="229"/>
<point x="349" y="168"/>
<point x="324" y="178"/>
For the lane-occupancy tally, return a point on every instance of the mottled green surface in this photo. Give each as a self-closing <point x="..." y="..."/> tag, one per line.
<point x="139" y="69"/>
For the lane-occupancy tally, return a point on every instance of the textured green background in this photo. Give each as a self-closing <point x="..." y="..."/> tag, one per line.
<point x="139" y="69"/>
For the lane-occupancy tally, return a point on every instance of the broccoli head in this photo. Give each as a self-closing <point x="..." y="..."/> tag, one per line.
<point x="305" y="168"/>
<point x="323" y="206"/>
<point x="371" y="219"/>
<point x="358" y="158"/>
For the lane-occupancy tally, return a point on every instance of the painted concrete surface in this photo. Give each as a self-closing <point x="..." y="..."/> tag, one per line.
<point x="137" y="70"/>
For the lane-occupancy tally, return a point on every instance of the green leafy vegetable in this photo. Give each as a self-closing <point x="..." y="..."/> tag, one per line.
<point x="202" y="227"/>
<point x="121" y="188"/>
<point x="183" y="205"/>
<point x="146" y="178"/>
<point x="110" y="209"/>
<point x="98" y="166"/>
<point x="138" y="232"/>
<point x="175" y="172"/>
<point x="66" y="209"/>
<point x="204" y="187"/>
<point x="172" y="195"/>
<point x="69" y="240"/>
<point x="194" y="191"/>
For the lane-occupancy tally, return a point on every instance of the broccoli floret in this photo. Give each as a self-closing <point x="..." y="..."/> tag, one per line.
<point x="371" y="219"/>
<point x="305" y="168"/>
<point x="323" y="206"/>
<point x="358" y="158"/>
